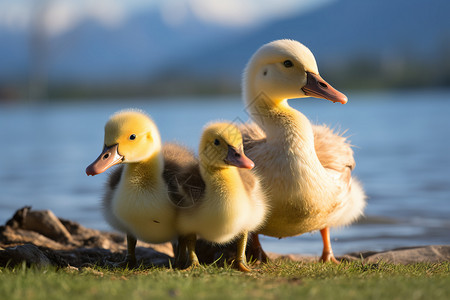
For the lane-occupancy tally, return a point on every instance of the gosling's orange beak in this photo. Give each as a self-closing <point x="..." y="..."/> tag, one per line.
<point x="319" y="88"/>
<point x="238" y="159"/>
<point x="108" y="158"/>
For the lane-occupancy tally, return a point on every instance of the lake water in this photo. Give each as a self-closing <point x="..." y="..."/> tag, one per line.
<point x="402" y="152"/>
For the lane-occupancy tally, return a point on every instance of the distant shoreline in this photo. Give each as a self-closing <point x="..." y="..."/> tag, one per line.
<point x="84" y="95"/>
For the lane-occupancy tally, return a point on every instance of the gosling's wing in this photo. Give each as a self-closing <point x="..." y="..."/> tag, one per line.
<point x="191" y="187"/>
<point x="335" y="153"/>
<point x="333" y="150"/>
<point x="182" y="175"/>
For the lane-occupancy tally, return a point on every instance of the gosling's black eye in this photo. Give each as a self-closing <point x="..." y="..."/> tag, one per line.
<point x="288" y="63"/>
<point x="216" y="142"/>
<point x="132" y="137"/>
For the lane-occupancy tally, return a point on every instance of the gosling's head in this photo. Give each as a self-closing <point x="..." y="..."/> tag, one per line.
<point x="130" y="136"/>
<point x="286" y="69"/>
<point x="221" y="147"/>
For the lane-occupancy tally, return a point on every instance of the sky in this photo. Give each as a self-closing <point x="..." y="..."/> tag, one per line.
<point x="62" y="15"/>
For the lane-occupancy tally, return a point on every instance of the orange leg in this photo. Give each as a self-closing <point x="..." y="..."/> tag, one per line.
<point x="327" y="253"/>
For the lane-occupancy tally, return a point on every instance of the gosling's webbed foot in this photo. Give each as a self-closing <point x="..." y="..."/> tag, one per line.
<point x="328" y="257"/>
<point x="192" y="259"/>
<point x="241" y="265"/>
<point x="327" y="252"/>
<point x="193" y="265"/>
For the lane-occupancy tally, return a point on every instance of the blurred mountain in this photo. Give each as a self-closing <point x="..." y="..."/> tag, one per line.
<point x="359" y="36"/>
<point x="93" y="51"/>
<point x="141" y="46"/>
<point x="387" y="32"/>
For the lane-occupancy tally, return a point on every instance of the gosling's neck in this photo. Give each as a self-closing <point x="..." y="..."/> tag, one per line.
<point x="146" y="174"/>
<point x="291" y="132"/>
<point x="281" y="122"/>
<point x="224" y="182"/>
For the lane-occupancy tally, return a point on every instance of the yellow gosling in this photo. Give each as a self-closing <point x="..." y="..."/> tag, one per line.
<point x="136" y="200"/>
<point x="222" y="198"/>
<point x="305" y="169"/>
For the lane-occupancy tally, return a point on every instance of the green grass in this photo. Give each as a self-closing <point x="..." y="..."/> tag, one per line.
<point x="277" y="280"/>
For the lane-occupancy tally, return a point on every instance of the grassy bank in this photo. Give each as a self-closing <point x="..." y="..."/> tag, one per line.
<point x="279" y="279"/>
